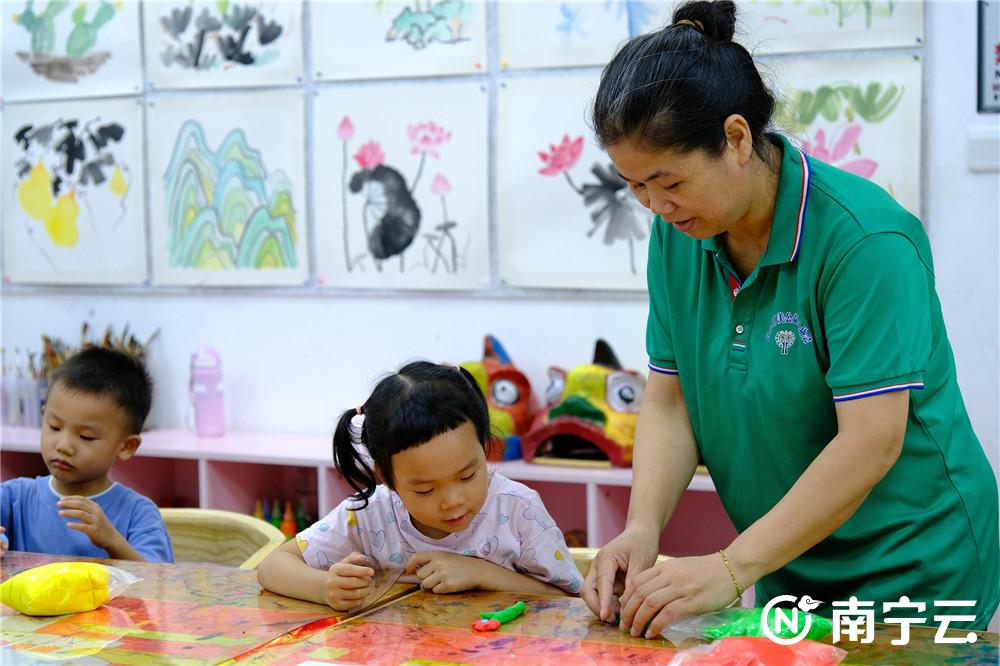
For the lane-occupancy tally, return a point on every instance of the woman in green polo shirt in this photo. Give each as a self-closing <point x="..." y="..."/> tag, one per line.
<point x="796" y="346"/>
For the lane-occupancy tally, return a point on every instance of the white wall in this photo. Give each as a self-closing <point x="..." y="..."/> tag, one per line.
<point x="292" y="362"/>
<point x="293" y="359"/>
<point x="962" y="214"/>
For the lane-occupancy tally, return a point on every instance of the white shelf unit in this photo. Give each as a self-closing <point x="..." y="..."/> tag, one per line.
<point x="175" y="467"/>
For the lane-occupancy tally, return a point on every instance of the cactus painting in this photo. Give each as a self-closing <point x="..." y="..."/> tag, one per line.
<point x="70" y="48"/>
<point x="75" y="192"/>
<point x="208" y="43"/>
<point x="229" y="207"/>
<point x="70" y="60"/>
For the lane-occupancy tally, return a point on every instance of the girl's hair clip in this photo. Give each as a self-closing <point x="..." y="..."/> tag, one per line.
<point x="355" y="429"/>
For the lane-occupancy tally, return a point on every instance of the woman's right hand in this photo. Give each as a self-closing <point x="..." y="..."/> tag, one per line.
<point x="628" y="554"/>
<point x="348" y="582"/>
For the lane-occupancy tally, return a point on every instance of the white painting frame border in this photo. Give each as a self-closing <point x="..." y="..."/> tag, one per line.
<point x="281" y="105"/>
<point x="436" y="152"/>
<point x="290" y="71"/>
<point x="124" y="265"/>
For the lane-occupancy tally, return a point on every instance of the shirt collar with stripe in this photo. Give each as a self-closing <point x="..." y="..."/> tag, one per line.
<point x="788" y="223"/>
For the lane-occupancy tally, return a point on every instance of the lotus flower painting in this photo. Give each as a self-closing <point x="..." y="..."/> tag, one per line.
<point x="566" y="218"/>
<point x="401" y="184"/>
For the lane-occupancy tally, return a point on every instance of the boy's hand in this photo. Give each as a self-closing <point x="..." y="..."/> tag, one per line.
<point x="348" y="582"/>
<point x="442" y="572"/>
<point x="93" y="522"/>
<point x="4" y="544"/>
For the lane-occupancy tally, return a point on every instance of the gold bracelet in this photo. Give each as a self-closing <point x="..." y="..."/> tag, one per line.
<point x="725" y="560"/>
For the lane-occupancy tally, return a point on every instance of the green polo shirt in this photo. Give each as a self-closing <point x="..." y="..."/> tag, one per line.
<point x="841" y="306"/>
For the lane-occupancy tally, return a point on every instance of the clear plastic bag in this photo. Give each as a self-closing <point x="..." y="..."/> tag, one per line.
<point x="758" y="651"/>
<point x="64" y="587"/>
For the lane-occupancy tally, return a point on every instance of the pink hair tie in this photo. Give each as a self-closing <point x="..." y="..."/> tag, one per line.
<point x="359" y="410"/>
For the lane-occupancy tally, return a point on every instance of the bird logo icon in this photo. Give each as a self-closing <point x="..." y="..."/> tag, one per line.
<point x="808" y="604"/>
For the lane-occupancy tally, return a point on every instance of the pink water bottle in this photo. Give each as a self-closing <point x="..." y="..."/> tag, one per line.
<point x="206" y="393"/>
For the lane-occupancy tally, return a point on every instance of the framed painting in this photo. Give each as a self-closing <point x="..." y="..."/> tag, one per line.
<point x="402" y="186"/>
<point x="227" y="188"/>
<point x="74" y="205"/>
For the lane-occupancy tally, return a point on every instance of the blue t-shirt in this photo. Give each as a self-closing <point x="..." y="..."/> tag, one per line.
<point x="29" y="513"/>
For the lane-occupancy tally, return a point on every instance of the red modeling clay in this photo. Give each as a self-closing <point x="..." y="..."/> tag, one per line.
<point x="486" y="625"/>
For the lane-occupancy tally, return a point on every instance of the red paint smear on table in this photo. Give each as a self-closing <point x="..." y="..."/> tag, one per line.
<point x="292" y="636"/>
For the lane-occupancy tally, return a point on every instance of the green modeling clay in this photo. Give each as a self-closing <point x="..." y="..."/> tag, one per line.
<point x="747" y="623"/>
<point x="505" y="615"/>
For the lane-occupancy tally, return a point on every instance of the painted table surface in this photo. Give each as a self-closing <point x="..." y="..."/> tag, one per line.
<point x="424" y="628"/>
<point x="178" y="614"/>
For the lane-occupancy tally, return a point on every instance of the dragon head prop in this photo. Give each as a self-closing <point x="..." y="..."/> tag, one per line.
<point x="590" y="414"/>
<point x="507" y="391"/>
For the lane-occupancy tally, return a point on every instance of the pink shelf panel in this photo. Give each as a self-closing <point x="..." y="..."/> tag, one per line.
<point x="699" y="526"/>
<point x="315" y="451"/>
<point x="249" y="447"/>
<point x="610" y="509"/>
<point x="612" y="476"/>
<point x="236" y="486"/>
<point x="166" y="481"/>
<point x="333" y="490"/>
<point x="19" y="439"/>
<point x="18" y="463"/>
<point x="565" y="502"/>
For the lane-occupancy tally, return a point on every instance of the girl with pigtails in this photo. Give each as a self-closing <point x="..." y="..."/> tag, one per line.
<point x="425" y="502"/>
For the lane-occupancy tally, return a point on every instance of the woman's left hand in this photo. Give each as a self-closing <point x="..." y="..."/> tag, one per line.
<point x="671" y="590"/>
<point x="442" y="572"/>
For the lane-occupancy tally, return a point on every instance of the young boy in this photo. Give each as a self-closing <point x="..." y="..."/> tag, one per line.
<point x="94" y="411"/>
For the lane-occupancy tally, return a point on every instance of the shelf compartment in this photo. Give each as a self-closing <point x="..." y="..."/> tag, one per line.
<point x="21" y="463"/>
<point x="166" y="481"/>
<point x="235" y="486"/>
<point x="333" y="490"/>
<point x="607" y="509"/>
<point x="565" y="502"/>
<point x="699" y="526"/>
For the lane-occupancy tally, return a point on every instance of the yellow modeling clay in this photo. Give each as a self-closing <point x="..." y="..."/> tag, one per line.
<point x="58" y="588"/>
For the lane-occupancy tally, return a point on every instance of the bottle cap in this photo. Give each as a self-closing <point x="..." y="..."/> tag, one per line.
<point x="206" y="357"/>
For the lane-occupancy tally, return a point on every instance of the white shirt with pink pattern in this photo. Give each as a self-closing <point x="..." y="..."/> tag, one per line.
<point x="513" y="530"/>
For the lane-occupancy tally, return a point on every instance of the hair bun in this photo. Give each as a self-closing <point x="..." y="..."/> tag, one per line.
<point x="717" y="19"/>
